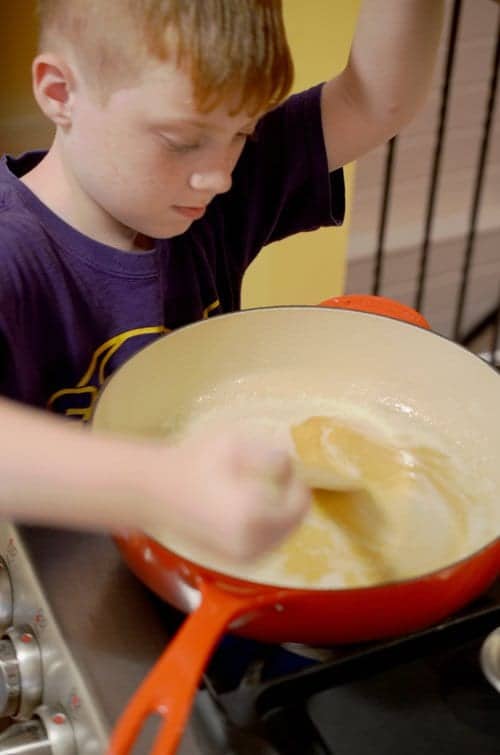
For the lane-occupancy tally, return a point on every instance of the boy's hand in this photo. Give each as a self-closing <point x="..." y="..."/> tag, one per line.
<point x="233" y="495"/>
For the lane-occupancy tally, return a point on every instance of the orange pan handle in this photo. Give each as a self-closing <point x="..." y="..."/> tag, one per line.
<point x="171" y="685"/>
<point x="379" y="305"/>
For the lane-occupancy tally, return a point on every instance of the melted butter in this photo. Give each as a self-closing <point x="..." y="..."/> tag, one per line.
<point x="387" y="515"/>
<point x="309" y="553"/>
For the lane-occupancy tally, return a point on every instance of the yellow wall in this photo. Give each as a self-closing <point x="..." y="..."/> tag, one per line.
<point x="308" y="267"/>
<point x="22" y="126"/>
<point x="17" y="44"/>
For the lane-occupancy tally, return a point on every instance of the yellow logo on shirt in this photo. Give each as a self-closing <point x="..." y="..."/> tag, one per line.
<point x="79" y="401"/>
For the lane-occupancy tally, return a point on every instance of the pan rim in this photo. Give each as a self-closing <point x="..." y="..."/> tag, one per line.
<point x="285" y="307"/>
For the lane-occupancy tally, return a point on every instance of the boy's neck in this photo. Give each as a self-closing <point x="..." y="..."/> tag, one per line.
<point x="60" y="192"/>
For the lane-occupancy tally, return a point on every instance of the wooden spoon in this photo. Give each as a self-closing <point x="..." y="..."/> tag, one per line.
<point x="326" y="478"/>
<point x="333" y="456"/>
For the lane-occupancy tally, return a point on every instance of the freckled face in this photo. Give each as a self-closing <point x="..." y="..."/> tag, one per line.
<point x="151" y="161"/>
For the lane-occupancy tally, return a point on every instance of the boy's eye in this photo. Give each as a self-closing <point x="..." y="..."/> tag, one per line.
<point x="175" y="146"/>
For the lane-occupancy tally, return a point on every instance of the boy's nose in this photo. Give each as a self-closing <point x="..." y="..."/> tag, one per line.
<point x="214" y="181"/>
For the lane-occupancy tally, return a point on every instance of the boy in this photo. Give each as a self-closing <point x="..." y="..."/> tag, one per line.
<point x="173" y="163"/>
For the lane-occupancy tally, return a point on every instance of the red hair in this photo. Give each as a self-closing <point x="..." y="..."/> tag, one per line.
<point x="234" y="50"/>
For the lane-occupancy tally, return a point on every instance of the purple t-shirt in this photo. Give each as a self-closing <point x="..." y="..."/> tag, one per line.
<point x="73" y="309"/>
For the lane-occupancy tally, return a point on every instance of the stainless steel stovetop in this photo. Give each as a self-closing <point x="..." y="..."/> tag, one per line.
<point x="98" y="631"/>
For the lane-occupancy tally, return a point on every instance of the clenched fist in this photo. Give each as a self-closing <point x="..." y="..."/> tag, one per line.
<point x="234" y="495"/>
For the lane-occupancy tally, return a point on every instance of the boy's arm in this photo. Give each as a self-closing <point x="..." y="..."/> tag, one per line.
<point x="242" y="498"/>
<point x="386" y="78"/>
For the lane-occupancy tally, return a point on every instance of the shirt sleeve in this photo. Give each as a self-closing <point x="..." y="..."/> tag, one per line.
<point x="282" y="185"/>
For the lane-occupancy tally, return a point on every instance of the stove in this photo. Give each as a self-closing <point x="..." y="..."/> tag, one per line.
<point x="81" y="632"/>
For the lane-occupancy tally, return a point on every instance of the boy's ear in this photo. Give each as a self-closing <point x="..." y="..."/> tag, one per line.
<point x="54" y="87"/>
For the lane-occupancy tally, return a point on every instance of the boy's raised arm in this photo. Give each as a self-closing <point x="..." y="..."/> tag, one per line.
<point x="386" y="78"/>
